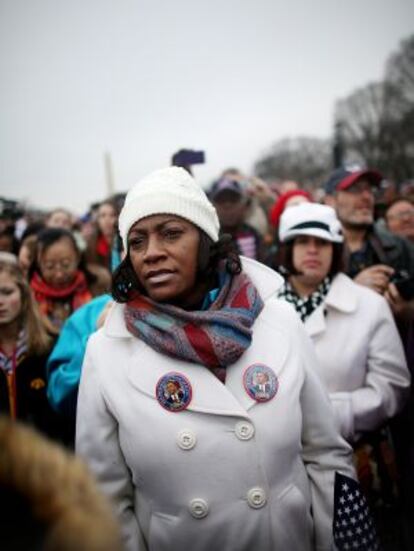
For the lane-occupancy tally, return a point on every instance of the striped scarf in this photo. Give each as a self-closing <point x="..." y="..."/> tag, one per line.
<point x="216" y="337"/>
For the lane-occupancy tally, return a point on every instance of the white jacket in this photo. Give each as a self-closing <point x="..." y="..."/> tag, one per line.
<point x="361" y="358"/>
<point x="228" y="473"/>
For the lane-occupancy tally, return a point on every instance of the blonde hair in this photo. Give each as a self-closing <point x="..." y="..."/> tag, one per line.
<point x="38" y="339"/>
<point x="60" y="493"/>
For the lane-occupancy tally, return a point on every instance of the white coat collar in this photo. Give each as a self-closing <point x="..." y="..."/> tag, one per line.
<point x="266" y="280"/>
<point x="342" y="296"/>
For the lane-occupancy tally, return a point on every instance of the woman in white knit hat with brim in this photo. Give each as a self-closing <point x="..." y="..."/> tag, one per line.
<point x="199" y="411"/>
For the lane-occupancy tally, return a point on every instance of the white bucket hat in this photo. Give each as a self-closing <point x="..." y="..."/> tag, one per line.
<point x="310" y="219"/>
<point x="170" y="190"/>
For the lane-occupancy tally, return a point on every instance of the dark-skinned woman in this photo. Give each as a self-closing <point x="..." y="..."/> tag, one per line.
<point x="199" y="411"/>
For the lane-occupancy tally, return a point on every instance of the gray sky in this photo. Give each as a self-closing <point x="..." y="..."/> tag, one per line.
<point x="142" y="79"/>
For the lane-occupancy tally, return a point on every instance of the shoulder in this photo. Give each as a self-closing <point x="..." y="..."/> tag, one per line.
<point x="349" y="297"/>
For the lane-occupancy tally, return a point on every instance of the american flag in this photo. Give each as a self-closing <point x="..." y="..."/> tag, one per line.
<point x="353" y="527"/>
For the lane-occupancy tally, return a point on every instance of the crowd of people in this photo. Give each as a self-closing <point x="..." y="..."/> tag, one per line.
<point x="233" y="365"/>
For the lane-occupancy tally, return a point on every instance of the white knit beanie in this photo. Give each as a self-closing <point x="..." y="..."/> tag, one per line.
<point x="169" y="191"/>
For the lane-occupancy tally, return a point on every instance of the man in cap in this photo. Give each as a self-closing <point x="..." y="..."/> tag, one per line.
<point x="231" y="201"/>
<point x="375" y="257"/>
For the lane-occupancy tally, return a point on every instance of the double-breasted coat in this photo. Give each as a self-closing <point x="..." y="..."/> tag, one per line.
<point x="228" y="472"/>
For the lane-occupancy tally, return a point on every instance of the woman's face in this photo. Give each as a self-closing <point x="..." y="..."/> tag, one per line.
<point x="58" y="263"/>
<point x="10" y="299"/>
<point x="106" y="219"/>
<point x="25" y="258"/>
<point x="59" y="219"/>
<point x="312" y="257"/>
<point x="163" y="250"/>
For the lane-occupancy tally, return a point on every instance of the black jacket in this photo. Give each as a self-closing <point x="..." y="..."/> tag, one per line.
<point x="31" y="401"/>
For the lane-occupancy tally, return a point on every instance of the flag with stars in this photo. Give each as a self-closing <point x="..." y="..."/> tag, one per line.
<point x="353" y="527"/>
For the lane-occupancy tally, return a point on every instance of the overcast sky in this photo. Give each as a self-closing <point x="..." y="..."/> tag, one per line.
<point x="141" y="79"/>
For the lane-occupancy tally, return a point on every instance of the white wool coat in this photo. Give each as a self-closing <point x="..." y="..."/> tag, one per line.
<point x="360" y="356"/>
<point x="227" y="473"/>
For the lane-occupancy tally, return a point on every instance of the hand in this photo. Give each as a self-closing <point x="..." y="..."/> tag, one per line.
<point x="375" y="277"/>
<point x="259" y="189"/>
<point x="102" y="316"/>
<point x="401" y="308"/>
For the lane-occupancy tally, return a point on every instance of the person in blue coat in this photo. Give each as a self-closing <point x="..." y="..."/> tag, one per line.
<point x="65" y="362"/>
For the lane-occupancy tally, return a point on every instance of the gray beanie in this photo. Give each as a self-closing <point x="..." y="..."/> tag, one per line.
<point x="169" y="191"/>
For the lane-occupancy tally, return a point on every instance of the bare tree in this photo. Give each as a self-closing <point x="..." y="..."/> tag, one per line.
<point x="377" y="121"/>
<point x="304" y="159"/>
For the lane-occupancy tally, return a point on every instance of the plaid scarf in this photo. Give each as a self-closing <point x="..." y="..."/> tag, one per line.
<point x="306" y="305"/>
<point x="216" y="337"/>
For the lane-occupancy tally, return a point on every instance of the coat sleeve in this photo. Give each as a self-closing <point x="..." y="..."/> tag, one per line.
<point x="98" y="443"/>
<point x="64" y="369"/>
<point x="324" y="451"/>
<point x="387" y="379"/>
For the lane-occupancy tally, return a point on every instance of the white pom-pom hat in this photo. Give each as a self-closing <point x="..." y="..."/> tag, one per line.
<point x="310" y="219"/>
<point x="170" y="190"/>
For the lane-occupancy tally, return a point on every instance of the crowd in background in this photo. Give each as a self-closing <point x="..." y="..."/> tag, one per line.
<point x="55" y="283"/>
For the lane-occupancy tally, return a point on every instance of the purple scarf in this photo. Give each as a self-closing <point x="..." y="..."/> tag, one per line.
<point x="216" y="337"/>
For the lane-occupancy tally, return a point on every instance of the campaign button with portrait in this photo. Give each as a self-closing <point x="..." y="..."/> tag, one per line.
<point x="260" y="382"/>
<point x="174" y="392"/>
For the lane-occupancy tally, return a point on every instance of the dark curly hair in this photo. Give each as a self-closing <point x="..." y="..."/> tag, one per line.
<point x="285" y="259"/>
<point x="210" y="255"/>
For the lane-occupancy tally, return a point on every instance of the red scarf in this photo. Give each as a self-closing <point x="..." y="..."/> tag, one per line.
<point x="103" y="247"/>
<point x="76" y="294"/>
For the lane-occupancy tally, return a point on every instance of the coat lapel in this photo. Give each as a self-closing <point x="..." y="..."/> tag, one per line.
<point x="341" y="297"/>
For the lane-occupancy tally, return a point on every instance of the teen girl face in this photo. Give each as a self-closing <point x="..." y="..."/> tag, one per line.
<point x="10" y="299"/>
<point x="106" y="220"/>
<point x="163" y="250"/>
<point x="58" y="263"/>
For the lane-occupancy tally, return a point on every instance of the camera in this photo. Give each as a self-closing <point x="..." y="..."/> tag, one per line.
<point x="404" y="283"/>
<point x="188" y="157"/>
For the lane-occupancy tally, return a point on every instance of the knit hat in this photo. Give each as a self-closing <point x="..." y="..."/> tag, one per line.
<point x="280" y="204"/>
<point x="168" y="191"/>
<point x="310" y="219"/>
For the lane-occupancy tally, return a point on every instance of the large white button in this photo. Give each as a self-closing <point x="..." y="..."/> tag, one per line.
<point x="244" y="430"/>
<point x="198" y="508"/>
<point x="186" y="439"/>
<point x="256" y="498"/>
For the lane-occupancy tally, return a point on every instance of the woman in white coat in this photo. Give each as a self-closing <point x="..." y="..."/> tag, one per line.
<point x="199" y="410"/>
<point x="360" y="355"/>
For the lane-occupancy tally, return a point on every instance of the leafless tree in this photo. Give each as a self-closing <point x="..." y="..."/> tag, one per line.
<point x="306" y="160"/>
<point x="377" y="121"/>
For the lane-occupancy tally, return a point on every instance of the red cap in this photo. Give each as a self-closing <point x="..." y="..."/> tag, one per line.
<point x="280" y="204"/>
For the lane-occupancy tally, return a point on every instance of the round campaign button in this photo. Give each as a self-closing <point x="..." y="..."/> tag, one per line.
<point x="173" y="391"/>
<point x="260" y="382"/>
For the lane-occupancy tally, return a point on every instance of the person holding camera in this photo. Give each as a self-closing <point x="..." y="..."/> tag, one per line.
<point x="375" y="258"/>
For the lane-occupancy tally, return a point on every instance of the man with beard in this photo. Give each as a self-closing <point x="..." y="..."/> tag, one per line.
<point x="375" y="258"/>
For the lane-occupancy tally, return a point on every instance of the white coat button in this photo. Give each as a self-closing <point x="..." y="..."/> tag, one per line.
<point x="256" y="498"/>
<point x="198" y="508"/>
<point x="186" y="439"/>
<point x="244" y="430"/>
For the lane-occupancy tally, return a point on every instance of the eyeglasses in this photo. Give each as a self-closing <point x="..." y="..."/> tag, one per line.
<point x="360" y="187"/>
<point x="409" y="213"/>
<point x="63" y="265"/>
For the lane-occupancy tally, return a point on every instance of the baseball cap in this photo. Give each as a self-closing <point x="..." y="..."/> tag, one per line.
<point x="225" y="184"/>
<point x="343" y="178"/>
